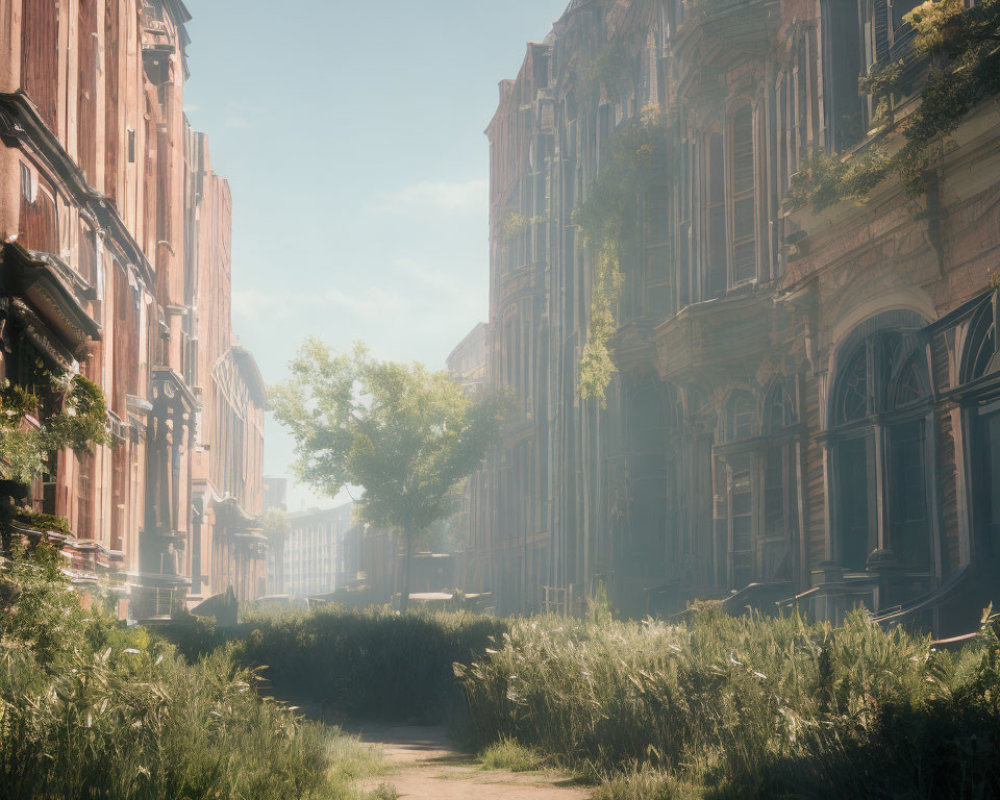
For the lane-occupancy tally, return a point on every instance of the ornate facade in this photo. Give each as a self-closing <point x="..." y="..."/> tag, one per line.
<point x="115" y="263"/>
<point x="804" y="408"/>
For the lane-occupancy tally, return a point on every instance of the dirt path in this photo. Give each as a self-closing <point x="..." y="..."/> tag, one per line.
<point x="425" y="767"/>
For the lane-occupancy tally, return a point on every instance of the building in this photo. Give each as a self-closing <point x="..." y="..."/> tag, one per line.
<point x="275" y="493"/>
<point x="468" y="365"/>
<point x="314" y="551"/>
<point x="116" y="263"/>
<point x="803" y="410"/>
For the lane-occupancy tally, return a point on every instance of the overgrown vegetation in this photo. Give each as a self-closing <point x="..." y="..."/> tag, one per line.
<point x="71" y="413"/>
<point x="637" y="153"/>
<point x="964" y="48"/>
<point x="724" y="707"/>
<point x="712" y="707"/>
<point x="91" y="710"/>
<point x="374" y="664"/>
<point x="54" y="412"/>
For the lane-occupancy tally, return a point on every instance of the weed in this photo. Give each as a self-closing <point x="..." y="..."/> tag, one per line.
<point x="507" y="754"/>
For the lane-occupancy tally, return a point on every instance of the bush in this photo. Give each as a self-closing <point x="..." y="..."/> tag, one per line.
<point x="376" y="664"/>
<point x="90" y="710"/>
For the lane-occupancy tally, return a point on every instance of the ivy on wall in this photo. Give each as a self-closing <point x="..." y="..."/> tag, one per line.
<point x="964" y="46"/>
<point x="636" y="153"/>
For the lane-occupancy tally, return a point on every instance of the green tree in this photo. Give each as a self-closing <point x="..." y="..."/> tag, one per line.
<point x="405" y="435"/>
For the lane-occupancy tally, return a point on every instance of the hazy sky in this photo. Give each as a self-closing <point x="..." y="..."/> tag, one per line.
<point x="352" y="136"/>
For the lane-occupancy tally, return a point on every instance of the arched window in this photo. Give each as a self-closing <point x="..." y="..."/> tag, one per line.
<point x="779" y="408"/>
<point x="981" y="351"/>
<point x="854" y="392"/>
<point x="879" y="412"/>
<point x="980" y="368"/>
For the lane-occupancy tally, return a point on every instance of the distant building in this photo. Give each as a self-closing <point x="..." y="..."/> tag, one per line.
<point x="115" y="262"/>
<point x="275" y="493"/>
<point x="467" y="362"/>
<point x="468" y="365"/>
<point x="312" y="550"/>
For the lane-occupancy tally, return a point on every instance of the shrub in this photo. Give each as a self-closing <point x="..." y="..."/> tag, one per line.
<point x="377" y="664"/>
<point x="89" y="710"/>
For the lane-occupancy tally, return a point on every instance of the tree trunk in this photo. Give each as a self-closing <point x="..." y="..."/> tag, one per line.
<point x="404" y="600"/>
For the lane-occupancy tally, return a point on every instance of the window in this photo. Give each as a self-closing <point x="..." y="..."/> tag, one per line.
<point x="647" y="420"/>
<point x="27" y="185"/>
<point x="740" y="416"/>
<point x="131" y="145"/>
<point x="38" y="227"/>
<point x="735" y="467"/>
<point x="88" y="254"/>
<point x="842" y="64"/>
<point x="881" y="401"/>
<point x="887" y="35"/>
<point x="744" y="256"/>
<point x="40" y="57"/>
<point x="780" y="473"/>
<point x="981" y="363"/>
<point x="85" y="528"/>
<point x="715" y="213"/>
<point x="981" y="351"/>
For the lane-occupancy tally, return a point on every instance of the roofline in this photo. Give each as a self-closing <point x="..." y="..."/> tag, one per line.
<point x="251" y="372"/>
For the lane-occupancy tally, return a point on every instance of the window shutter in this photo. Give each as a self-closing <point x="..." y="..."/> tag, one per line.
<point x="881" y="25"/>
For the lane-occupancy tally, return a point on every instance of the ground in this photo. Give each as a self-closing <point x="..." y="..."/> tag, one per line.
<point x="425" y="767"/>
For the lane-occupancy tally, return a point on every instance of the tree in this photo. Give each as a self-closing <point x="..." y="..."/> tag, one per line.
<point x="405" y="435"/>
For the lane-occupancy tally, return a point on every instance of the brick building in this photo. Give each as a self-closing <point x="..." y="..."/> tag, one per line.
<point x="115" y="261"/>
<point x="804" y="408"/>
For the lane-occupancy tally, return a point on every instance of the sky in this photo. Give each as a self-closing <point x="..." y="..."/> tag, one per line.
<point x="352" y="137"/>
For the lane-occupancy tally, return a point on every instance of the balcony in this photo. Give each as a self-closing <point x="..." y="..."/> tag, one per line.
<point x="727" y="333"/>
<point x="714" y="34"/>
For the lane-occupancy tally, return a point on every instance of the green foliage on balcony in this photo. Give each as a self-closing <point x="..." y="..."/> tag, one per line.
<point x="70" y="412"/>
<point x="964" y="48"/>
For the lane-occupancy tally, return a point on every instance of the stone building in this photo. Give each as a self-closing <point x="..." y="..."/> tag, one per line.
<point x="314" y="551"/>
<point x="114" y="252"/>
<point x="804" y="407"/>
<point x="468" y="365"/>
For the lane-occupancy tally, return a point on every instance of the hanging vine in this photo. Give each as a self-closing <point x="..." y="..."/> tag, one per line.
<point x="964" y="44"/>
<point x="637" y="153"/>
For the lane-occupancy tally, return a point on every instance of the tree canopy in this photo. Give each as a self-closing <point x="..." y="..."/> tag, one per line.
<point x="404" y="434"/>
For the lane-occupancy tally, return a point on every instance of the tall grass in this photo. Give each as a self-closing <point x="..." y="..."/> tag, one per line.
<point x="745" y="707"/>
<point x="714" y="707"/>
<point x="375" y="664"/>
<point x="88" y="710"/>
